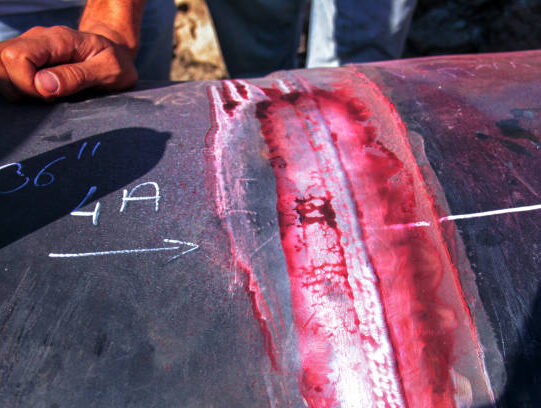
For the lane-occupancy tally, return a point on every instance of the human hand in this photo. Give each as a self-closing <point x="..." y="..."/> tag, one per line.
<point x="50" y="63"/>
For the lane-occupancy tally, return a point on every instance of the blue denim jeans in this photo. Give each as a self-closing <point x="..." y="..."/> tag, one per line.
<point x="258" y="36"/>
<point x="261" y="36"/>
<point x="347" y="31"/>
<point x="155" y="53"/>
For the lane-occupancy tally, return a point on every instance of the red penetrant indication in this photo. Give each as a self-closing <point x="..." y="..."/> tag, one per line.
<point x="346" y="353"/>
<point x="379" y="312"/>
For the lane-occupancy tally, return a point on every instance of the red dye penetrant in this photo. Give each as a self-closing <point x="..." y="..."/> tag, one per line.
<point x="378" y="309"/>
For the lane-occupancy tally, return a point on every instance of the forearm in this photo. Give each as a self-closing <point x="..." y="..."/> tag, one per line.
<point x="117" y="20"/>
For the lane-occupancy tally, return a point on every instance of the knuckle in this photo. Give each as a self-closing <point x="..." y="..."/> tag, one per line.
<point x="60" y="29"/>
<point x="35" y="30"/>
<point x="60" y="33"/>
<point x="10" y="54"/>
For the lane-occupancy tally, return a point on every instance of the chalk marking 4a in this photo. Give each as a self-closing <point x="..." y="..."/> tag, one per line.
<point x="94" y="214"/>
<point x="128" y="196"/>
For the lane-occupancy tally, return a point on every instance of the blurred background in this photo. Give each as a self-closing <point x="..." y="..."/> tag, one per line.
<point x="438" y="27"/>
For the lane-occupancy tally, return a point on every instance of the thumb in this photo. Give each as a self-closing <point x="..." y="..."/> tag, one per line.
<point x="47" y="83"/>
<point x="64" y="80"/>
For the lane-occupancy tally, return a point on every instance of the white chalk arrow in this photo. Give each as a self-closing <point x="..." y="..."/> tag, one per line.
<point x="179" y="244"/>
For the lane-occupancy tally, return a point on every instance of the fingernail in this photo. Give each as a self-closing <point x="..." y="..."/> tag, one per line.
<point x="48" y="82"/>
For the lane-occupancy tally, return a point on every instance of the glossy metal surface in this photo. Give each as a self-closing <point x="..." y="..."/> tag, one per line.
<point x="327" y="238"/>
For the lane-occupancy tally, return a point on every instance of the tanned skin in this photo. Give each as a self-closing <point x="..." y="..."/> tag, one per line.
<point x="55" y="62"/>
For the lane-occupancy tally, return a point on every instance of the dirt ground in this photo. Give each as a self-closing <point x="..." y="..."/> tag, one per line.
<point x="196" y="51"/>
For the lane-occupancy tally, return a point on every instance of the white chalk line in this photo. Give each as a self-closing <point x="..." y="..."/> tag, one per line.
<point x="493" y="212"/>
<point x="467" y="216"/>
<point x="192" y="246"/>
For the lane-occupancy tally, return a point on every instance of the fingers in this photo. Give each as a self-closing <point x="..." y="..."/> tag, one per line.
<point x="108" y="70"/>
<point x="19" y="70"/>
<point x="7" y="89"/>
<point x="55" y="62"/>
<point x="21" y="57"/>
